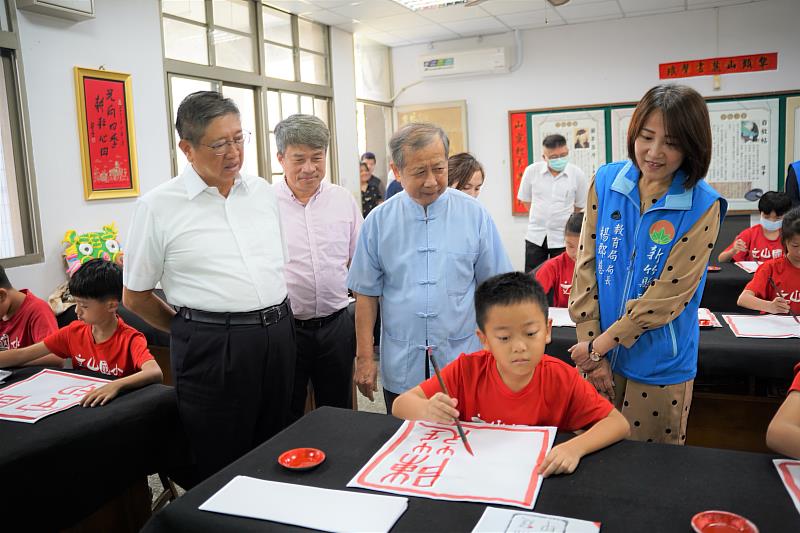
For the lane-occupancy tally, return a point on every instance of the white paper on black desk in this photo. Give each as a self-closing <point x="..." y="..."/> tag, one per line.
<point x="763" y="326"/>
<point x="496" y="520"/>
<point x="748" y="266"/>
<point x="312" y="507"/>
<point x="561" y="318"/>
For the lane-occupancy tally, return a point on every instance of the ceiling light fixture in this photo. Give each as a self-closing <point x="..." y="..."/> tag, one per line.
<point x="557" y="3"/>
<point x="419" y="5"/>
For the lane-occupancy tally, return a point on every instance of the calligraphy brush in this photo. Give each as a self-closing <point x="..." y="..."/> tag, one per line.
<point x="444" y="389"/>
<point x="780" y="293"/>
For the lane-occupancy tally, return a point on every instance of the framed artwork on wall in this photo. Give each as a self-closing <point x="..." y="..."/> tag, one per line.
<point x="450" y="116"/>
<point x="106" y="133"/>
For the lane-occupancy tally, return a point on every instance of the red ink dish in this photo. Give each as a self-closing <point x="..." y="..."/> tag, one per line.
<point x="712" y="268"/>
<point x="301" y="458"/>
<point x="722" y="522"/>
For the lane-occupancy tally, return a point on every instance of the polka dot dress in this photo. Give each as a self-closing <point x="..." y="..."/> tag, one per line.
<point x="656" y="413"/>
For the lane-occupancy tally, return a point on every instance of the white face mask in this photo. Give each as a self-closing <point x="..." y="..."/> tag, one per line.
<point x="771" y="225"/>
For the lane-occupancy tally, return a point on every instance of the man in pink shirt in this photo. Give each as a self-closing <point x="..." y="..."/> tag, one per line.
<point x="320" y="222"/>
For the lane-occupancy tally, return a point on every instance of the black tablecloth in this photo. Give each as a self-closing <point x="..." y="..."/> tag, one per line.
<point x="67" y="465"/>
<point x="721" y="353"/>
<point x="724" y="287"/>
<point x="630" y="486"/>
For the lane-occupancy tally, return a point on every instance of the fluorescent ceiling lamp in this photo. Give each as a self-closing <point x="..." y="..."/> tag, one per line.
<point x="417" y="5"/>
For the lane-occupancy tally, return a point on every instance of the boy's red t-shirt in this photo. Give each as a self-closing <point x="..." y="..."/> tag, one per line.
<point x="120" y="355"/>
<point x="31" y="323"/>
<point x="759" y="248"/>
<point x="556" y="395"/>
<point x="786" y="277"/>
<point x="796" y="382"/>
<point x="555" y="275"/>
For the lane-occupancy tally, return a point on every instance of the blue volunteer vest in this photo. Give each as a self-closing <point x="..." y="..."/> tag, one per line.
<point x="631" y="251"/>
<point x="796" y="167"/>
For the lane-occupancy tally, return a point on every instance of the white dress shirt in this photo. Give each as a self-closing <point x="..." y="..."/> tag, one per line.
<point x="321" y="236"/>
<point x="553" y="199"/>
<point x="209" y="252"/>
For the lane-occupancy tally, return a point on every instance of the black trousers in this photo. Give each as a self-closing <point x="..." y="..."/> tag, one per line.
<point x="325" y="355"/>
<point x="388" y="399"/>
<point x="535" y="255"/>
<point x="233" y="385"/>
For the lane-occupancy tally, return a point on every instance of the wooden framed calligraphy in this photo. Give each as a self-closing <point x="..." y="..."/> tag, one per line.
<point x="106" y="132"/>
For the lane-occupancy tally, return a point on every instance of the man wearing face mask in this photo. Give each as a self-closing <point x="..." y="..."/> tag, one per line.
<point x="551" y="189"/>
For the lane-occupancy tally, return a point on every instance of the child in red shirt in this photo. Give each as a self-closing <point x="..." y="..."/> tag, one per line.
<point x="783" y="433"/>
<point x="555" y="274"/>
<point x="513" y="382"/>
<point x="761" y="242"/>
<point x="99" y="341"/>
<point x="775" y="287"/>
<point x="24" y="320"/>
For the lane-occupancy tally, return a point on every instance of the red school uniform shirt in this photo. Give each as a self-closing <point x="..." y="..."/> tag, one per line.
<point x="120" y="355"/>
<point x="556" y="395"/>
<point x="796" y="383"/>
<point x="786" y="277"/>
<point x="555" y="275"/>
<point x="31" y="323"/>
<point x="759" y="248"/>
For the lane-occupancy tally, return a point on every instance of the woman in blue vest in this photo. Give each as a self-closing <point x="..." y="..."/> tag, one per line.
<point x="792" y="184"/>
<point x="651" y="223"/>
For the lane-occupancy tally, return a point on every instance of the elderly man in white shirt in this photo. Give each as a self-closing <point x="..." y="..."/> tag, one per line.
<point x="551" y="189"/>
<point x="212" y="237"/>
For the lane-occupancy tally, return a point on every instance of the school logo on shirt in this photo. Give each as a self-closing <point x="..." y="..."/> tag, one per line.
<point x="98" y="366"/>
<point x="662" y="232"/>
<point x="7" y="344"/>
<point x="565" y="288"/>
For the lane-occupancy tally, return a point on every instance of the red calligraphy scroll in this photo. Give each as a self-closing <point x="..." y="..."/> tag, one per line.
<point x="518" y="130"/>
<point x="107" y="131"/>
<point x="105" y="118"/>
<point x="718" y="65"/>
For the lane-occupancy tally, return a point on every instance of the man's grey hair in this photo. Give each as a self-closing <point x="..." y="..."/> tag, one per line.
<point x="302" y="129"/>
<point x="415" y="136"/>
<point x="197" y="110"/>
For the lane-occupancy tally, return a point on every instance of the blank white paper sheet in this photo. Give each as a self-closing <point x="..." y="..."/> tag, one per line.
<point x="763" y="326"/>
<point x="495" y="520"/>
<point x="312" y="507"/>
<point x="748" y="266"/>
<point x="561" y="318"/>
<point x="789" y="470"/>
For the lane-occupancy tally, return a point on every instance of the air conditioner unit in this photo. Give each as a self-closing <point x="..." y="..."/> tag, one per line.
<point x="465" y="63"/>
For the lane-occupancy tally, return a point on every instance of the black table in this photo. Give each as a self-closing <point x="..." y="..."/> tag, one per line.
<point x="724" y="287"/>
<point x="630" y="486"/>
<point x="65" y="466"/>
<point x="721" y="353"/>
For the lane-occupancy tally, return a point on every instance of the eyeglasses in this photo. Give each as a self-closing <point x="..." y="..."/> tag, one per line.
<point x="221" y="148"/>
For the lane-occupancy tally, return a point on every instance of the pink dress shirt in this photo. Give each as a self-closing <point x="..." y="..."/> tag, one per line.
<point x="321" y="237"/>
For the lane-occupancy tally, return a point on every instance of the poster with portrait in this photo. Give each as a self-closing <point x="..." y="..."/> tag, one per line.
<point x="792" y="122"/>
<point x="620" y="120"/>
<point x="744" y="149"/>
<point x="584" y="131"/>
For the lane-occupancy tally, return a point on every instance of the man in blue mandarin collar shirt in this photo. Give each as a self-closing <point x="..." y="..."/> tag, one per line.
<point x="422" y="253"/>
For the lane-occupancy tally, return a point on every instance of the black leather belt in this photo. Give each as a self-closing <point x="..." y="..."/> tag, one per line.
<point x="264" y="317"/>
<point x="316" y="323"/>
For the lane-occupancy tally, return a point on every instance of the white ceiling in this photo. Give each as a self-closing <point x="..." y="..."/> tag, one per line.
<point x="388" y="22"/>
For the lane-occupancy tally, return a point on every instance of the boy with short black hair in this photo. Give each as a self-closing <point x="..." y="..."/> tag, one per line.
<point x="24" y="320"/>
<point x="555" y="275"/>
<point x="512" y="381"/>
<point x="99" y="340"/>
<point x="761" y="242"/>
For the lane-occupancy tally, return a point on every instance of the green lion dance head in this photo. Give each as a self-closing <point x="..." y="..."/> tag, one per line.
<point x="93" y="245"/>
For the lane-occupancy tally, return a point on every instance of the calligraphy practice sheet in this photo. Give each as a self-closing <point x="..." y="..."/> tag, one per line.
<point x="561" y="318"/>
<point x="429" y="460"/>
<point x="748" y="266"/>
<point x="789" y="470"/>
<point x="763" y="326"/>
<point x="43" y="394"/>
<point x="333" y="510"/>
<point x="707" y="319"/>
<point x="496" y="520"/>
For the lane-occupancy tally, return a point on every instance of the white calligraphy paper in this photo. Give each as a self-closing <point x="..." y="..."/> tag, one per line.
<point x="707" y="319"/>
<point x="763" y="326"/>
<point x="429" y="460"/>
<point x="311" y="507"/>
<point x="789" y="471"/>
<point x="496" y="520"/>
<point x="748" y="266"/>
<point x="43" y="394"/>
<point x="561" y="318"/>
